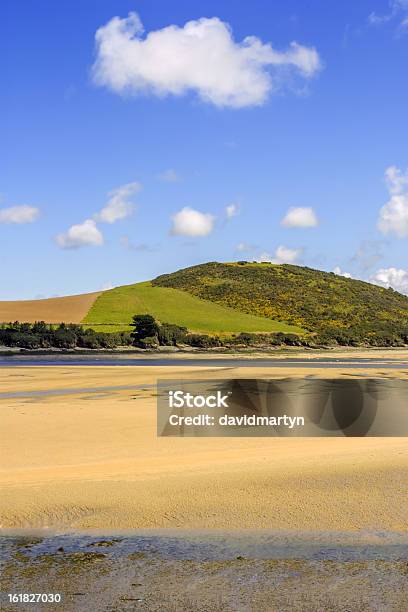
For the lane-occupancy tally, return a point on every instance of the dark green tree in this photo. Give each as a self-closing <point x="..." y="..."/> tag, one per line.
<point x="144" y="326"/>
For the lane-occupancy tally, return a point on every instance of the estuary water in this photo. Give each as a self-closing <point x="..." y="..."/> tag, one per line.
<point x="221" y="362"/>
<point x="215" y="544"/>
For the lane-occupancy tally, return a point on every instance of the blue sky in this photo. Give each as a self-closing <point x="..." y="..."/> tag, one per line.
<point x="148" y="151"/>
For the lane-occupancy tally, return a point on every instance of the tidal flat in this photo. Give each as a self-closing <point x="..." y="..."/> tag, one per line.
<point x="89" y="458"/>
<point x="95" y="506"/>
<point x="208" y="571"/>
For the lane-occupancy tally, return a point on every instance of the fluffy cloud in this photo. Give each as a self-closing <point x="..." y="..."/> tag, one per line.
<point x="393" y="217"/>
<point x="201" y="56"/>
<point x="87" y="233"/>
<point x="169" y="176"/>
<point x="282" y="255"/>
<point x="231" y="211"/>
<point x="19" y="214"/>
<point x="119" y="205"/>
<point x="391" y="277"/>
<point x="190" y="222"/>
<point x="300" y="217"/>
<point x="337" y="270"/>
<point x="83" y="234"/>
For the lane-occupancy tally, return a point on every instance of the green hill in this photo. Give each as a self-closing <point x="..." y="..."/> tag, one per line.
<point x="113" y="311"/>
<point x="335" y="307"/>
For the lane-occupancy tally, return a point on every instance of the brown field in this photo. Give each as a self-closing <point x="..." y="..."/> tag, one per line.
<point x="70" y="309"/>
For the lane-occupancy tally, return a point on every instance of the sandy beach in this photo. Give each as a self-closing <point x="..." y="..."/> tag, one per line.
<point x="90" y="458"/>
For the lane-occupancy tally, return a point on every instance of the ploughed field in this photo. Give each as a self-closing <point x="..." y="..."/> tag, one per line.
<point x="70" y="309"/>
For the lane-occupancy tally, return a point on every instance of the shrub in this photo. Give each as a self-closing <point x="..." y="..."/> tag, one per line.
<point x="149" y="342"/>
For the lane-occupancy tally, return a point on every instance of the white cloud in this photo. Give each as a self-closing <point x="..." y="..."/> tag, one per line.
<point x="393" y="217"/>
<point x="201" y="56"/>
<point x="19" y="214"/>
<point x="243" y="247"/>
<point x="285" y="255"/>
<point x="398" y="10"/>
<point x="396" y="180"/>
<point x="119" y="205"/>
<point x="190" y="222"/>
<point x="300" y="217"/>
<point x="231" y="211"/>
<point x="169" y="176"/>
<point x="391" y="277"/>
<point x="368" y="254"/>
<point x="83" y="234"/>
<point x="374" y="19"/>
<point x="87" y="233"/>
<point x="337" y="270"/>
<point x="264" y="256"/>
<point x="282" y="255"/>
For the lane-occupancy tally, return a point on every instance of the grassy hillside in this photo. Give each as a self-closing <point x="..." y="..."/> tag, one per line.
<point x="113" y="311"/>
<point x="318" y="301"/>
<point x="70" y="309"/>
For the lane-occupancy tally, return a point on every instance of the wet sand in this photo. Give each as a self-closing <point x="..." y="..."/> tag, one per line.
<point x="91" y="459"/>
<point x="227" y="572"/>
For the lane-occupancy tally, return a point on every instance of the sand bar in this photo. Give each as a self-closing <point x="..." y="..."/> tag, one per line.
<point x="92" y="460"/>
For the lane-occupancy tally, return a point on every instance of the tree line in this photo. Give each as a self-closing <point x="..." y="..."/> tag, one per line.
<point x="41" y="335"/>
<point x="147" y="333"/>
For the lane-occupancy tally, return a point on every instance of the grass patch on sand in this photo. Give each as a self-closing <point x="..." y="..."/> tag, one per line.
<point x="113" y="311"/>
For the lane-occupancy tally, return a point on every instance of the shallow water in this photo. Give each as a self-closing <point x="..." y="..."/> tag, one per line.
<point x="105" y="390"/>
<point x="197" y="572"/>
<point x="216" y="545"/>
<point x="86" y="360"/>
